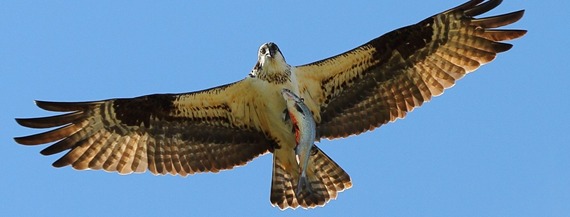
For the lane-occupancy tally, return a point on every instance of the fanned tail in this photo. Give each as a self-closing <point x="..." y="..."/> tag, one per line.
<point x="333" y="176"/>
<point x="324" y="180"/>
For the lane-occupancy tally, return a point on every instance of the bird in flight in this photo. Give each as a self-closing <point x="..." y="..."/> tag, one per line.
<point x="229" y="125"/>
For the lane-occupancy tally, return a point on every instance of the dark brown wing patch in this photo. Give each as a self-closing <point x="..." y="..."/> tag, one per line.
<point x="137" y="111"/>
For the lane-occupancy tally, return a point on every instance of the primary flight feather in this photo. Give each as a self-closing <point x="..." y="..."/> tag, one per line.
<point x="229" y="125"/>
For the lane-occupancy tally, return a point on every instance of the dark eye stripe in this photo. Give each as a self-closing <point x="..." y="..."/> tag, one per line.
<point x="299" y="109"/>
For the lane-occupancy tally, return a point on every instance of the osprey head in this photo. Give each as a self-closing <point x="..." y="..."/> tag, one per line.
<point x="271" y="65"/>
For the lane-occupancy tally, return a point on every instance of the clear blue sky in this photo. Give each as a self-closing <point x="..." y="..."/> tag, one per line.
<point x="497" y="144"/>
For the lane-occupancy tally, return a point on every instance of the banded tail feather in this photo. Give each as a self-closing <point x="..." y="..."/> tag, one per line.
<point x="325" y="177"/>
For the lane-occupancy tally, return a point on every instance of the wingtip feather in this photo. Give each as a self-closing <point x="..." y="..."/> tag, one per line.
<point x="502" y="47"/>
<point x="499" y="20"/>
<point x="61" y="162"/>
<point x="51" y="121"/>
<point x="482" y="8"/>
<point x="465" y="6"/>
<point x="49" y="136"/>
<point x="58" y="147"/>
<point x="21" y="140"/>
<point x="25" y="122"/>
<point x="64" y="106"/>
<point x="502" y="34"/>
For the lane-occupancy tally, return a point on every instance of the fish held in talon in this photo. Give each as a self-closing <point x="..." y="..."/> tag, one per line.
<point x="305" y="132"/>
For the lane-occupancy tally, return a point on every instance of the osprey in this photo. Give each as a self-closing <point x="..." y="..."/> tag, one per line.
<point x="227" y="126"/>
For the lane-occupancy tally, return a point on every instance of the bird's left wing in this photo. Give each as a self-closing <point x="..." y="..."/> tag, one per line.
<point x="389" y="76"/>
<point x="203" y="131"/>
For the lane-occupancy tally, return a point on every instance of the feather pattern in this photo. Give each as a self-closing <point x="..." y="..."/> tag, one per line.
<point x="163" y="133"/>
<point x="326" y="178"/>
<point x="391" y="75"/>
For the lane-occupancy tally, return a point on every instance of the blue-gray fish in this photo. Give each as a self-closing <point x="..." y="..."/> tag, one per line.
<point x="305" y="133"/>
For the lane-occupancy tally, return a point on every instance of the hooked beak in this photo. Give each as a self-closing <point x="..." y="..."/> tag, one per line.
<point x="272" y="49"/>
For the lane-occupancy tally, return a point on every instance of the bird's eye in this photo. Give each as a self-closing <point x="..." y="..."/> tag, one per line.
<point x="263" y="50"/>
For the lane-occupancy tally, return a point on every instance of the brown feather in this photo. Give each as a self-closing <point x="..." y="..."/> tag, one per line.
<point x="123" y="167"/>
<point x="498" y="21"/>
<point x="107" y="139"/>
<point x="93" y="147"/>
<point x="53" y="121"/>
<point x="66" y="106"/>
<point x="49" y="136"/>
<point x="502" y="35"/>
<point x="481" y="8"/>
<point x="465" y="6"/>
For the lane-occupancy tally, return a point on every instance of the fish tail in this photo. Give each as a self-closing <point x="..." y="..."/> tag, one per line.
<point x="303" y="185"/>
<point x="324" y="179"/>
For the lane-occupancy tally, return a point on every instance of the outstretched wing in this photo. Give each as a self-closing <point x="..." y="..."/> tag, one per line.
<point x="204" y="131"/>
<point x="389" y="76"/>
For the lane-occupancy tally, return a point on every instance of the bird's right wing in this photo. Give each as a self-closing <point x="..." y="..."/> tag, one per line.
<point x="203" y="131"/>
